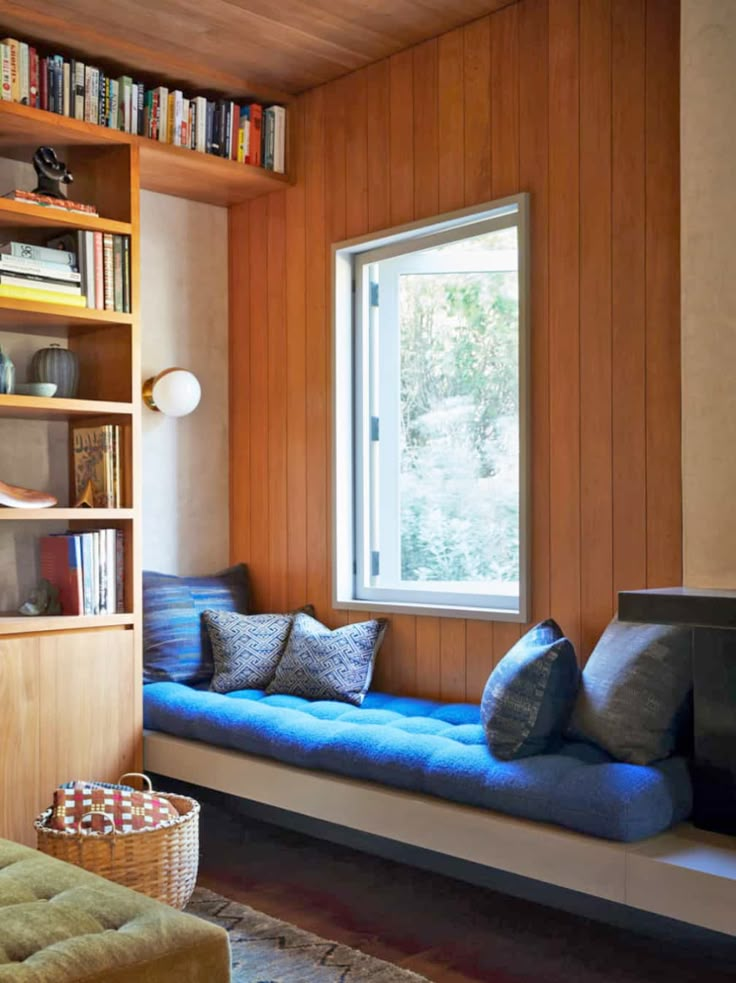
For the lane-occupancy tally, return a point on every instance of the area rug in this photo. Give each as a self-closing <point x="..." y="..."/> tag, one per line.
<point x="266" y="950"/>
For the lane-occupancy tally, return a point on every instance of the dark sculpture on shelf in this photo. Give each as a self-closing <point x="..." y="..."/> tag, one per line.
<point x="52" y="173"/>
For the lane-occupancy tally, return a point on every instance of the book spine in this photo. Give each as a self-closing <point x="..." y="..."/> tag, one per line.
<point x="163" y="128"/>
<point x="108" y="267"/>
<point x="88" y="83"/>
<point x="14" y="47"/>
<point x="111" y="578"/>
<point x="126" y="274"/>
<point x="102" y="570"/>
<point x="49" y="271"/>
<point x="35" y="92"/>
<point x="7" y="82"/>
<point x="256" y="128"/>
<point x="210" y="129"/>
<point x="24" y="73"/>
<point x="39" y="283"/>
<point x="99" y="273"/>
<point x="95" y="572"/>
<point x="141" y="97"/>
<point x="66" y="90"/>
<point x="87" y="576"/>
<point x="119" y="571"/>
<point x="117" y="247"/>
<point x="59" y="84"/>
<point x="200" y="140"/>
<point x="89" y="267"/>
<point x="79" y="73"/>
<point x="60" y="561"/>
<point x="110" y="466"/>
<point x="113" y="119"/>
<point x="185" y="139"/>
<point x="43" y="83"/>
<point x="279" y="140"/>
<point x="94" y="99"/>
<point x="49" y="296"/>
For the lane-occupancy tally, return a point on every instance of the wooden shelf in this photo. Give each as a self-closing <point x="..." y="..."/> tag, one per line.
<point x="164" y="168"/>
<point x="64" y="515"/>
<point x="17" y="624"/>
<point x="50" y="408"/>
<point x="18" y="313"/>
<point x="18" y="213"/>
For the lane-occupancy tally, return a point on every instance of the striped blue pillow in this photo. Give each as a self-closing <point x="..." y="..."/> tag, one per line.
<point x="176" y="647"/>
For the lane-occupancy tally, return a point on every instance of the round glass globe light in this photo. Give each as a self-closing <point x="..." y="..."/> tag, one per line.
<point x="177" y="392"/>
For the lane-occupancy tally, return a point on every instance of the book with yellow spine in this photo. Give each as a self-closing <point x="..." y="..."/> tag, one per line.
<point x="44" y="296"/>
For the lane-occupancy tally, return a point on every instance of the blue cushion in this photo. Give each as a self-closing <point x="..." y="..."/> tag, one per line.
<point x="246" y="648"/>
<point x="433" y="748"/>
<point x="175" y="642"/>
<point x="320" y="664"/>
<point x="530" y="694"/>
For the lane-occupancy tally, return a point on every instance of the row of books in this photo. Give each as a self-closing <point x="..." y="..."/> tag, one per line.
<point x="82" y="269"/>
<point x="251" y="134"/>
<point x="87" y="568"/>
<point x="97" y="457"/>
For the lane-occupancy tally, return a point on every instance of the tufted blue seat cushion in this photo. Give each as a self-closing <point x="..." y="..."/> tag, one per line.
<point x="435" y="748"/>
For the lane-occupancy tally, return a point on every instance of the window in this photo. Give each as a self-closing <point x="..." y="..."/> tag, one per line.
<point x="431" y="417"/>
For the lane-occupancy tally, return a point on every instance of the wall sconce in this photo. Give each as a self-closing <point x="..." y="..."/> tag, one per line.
<point x="173" y="392"/>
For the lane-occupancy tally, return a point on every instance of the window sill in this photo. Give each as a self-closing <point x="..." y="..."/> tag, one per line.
<point x="432" y="611"/>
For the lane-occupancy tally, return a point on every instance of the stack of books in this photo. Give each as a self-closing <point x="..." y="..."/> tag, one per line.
<point x="97" y="457"/>
<point x="37" y="273"/>
<point x="84" y="269"/>
<point x="32" y="198"/>
<point x="88" y="568"/>
<point x="251" y="133"/>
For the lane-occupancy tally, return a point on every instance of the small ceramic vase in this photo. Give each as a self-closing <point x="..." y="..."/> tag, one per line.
<point x="58" y="365"/>
<point x="7" y="374"/>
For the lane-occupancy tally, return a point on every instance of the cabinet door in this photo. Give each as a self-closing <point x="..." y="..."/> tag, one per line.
<point x="89" y="714"/>
<point x="19" y="739"/>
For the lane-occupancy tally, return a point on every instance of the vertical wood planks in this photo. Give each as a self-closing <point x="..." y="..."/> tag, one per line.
<point x="628" y="311"/>
<point x="596" y="496"/>
<point x="576" y="103"/>
<point x="564" y="354"/>
<point x="664" y="512"/>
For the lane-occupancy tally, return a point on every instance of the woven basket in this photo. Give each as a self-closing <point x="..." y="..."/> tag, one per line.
<point x="161" y="862"/>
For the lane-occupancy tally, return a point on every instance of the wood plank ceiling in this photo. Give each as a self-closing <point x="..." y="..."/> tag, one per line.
<point x="269" y="47"/>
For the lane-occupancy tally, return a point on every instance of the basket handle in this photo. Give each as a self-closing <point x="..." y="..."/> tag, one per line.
<point x="105" y="815"/>
<point x="136" y="774"/>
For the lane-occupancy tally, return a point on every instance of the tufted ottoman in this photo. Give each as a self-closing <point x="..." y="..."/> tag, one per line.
<point x="59" y="923"/>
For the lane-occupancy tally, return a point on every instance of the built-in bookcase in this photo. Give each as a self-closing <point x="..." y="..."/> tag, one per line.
<point x="70" y="686"/>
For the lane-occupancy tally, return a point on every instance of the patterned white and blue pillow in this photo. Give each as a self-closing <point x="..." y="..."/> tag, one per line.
<point x="246" y="648"/>
<point x="529" y="696"/>
<point x="320" y="664"/>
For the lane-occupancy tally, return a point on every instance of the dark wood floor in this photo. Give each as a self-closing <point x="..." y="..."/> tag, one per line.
<point x="449" y="931"/>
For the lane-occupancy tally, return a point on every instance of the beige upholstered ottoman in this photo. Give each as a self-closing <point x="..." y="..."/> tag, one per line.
<point x="59" y="923"/>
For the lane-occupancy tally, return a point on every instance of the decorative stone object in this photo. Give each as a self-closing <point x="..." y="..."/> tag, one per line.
<point x="7" y="374"/>
<point x="58" y="365"/>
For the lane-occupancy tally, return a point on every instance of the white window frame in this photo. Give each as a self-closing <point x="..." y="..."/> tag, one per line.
<point x="350" y="262"/>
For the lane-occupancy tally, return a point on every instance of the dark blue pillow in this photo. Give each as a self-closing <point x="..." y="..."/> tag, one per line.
<point x="529" y="696"/>
<point x="176" y="647"/>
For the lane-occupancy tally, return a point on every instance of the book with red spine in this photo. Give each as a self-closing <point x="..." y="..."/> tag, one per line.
<point x="35" y="92"/>
<point x="43" y="86"/>
<point x="108" y="271"/>
<point x="256" y="123"/>
<point x="61" y="565"/>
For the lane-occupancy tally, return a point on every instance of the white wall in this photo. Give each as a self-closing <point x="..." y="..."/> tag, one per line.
<point x="184" y="322"/>
<point x="709" y="292"/>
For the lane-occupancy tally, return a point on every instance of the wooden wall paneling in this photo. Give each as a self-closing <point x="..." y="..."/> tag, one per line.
<point x="278" y="568"/>
<point x="257" y="493"/>
<point x="426" y="130"/>
<point x="504" y="130"/>
<point x="534" y="177"/>
<point x="564" y="363"/>
<point x="99" y="738"/>
<point x="596" y="496"/>
<point x="399" y="669"/>
<point x="452" y="659"/>
<point x="628" y="304"/>
<point x="450" y="72"/>
<point x="296" y="373"/>
<point x="664" y="485"/>
<point x="562" y="83"/>
<point x="477" y="111"/>
<point x="378" y="86"/>
<point x="21" y="797"/>
<point x="401" y="137"/>
<point x="318" y="398"/>
<point x="239" y="379"/>
<point x="337" y="111"/>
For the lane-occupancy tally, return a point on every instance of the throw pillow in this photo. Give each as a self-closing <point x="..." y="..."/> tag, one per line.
<point x="176" y="646"/>
<point x="246" y="648"/>
<point x="530" y="694"/>
<point x="320" y="664"/>
<point x="635" y="687"/>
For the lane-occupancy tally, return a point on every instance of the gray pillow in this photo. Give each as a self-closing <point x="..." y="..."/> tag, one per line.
<point x="634" y="688"/>
<point x="246" y="648"/>
<point x="320" y="664"/>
